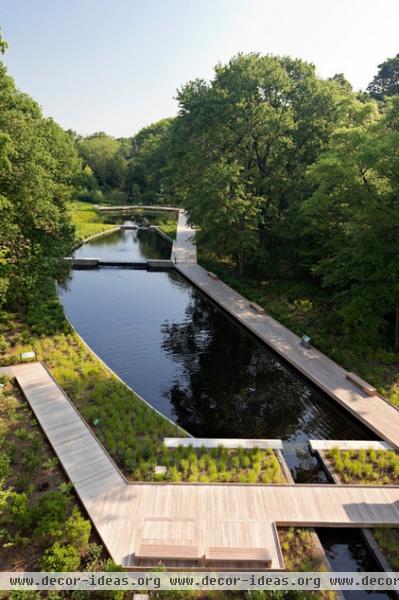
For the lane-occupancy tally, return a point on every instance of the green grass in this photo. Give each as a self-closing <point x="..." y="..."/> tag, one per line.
<point x="87" y="220"/>
<point x="373" y="467"/>
<point x="221" y="465"/>
<point x="168" y="226"/>
<point x="305" y="308"/>
<point x="300" y="554"/>
<point x="130" y="430"/>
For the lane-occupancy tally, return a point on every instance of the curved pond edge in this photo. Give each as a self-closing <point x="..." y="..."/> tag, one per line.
<point x="112" y="372"/>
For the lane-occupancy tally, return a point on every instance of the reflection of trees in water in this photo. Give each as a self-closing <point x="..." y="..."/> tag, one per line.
<point x="228" y="383"/>
<point x="153" y="245"/>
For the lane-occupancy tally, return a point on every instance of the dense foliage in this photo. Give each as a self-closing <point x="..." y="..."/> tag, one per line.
<point x="293" y="176"/>
<point x="38" y="163"/>
<point x="386" y="82"/>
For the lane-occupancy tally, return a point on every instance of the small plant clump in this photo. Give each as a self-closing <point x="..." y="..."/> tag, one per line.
<point x="365" y="466"/>
<point x="215" y="465"/>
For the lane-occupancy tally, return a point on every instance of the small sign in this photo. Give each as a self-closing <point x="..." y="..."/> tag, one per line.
<point x="28" y="355"/>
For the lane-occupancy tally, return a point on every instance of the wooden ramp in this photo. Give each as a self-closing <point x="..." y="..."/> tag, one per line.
<point x="141" y="519"/>
<point x="373" y="411"/>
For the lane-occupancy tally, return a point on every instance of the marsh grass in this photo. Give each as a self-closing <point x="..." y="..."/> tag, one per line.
<point x="371" y="466"/>
<point x="301" y="554"/>
<point x="220" y="465"/>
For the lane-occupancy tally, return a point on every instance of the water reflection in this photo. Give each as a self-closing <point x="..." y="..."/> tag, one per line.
<point x="127" y="245"/>
<point x="346" y="550"/>
<point x="196" y="365"/>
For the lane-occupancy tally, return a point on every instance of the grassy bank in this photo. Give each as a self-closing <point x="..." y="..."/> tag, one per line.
<point x="304" y="308"/>
<point x="86" y="219"/>
<point x="222" y="465"/>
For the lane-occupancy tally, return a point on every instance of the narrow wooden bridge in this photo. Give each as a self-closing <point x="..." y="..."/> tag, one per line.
<point x="231" y="524"/>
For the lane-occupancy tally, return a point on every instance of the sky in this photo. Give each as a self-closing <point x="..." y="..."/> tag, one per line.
<point x="115" y="65"/>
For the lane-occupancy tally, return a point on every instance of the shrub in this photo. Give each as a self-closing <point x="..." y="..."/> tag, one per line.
<point x="77" y="531"/>
<point x="61" y="558"/>
<point x="50" y="514"/>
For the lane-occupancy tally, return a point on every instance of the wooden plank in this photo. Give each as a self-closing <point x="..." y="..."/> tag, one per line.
<point x="316" y="445"/>
<point x="223" y="553"/>
<point x="360" y="383"/>
<point x="159" y="551"/>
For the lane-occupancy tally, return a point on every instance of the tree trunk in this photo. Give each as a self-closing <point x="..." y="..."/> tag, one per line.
<point x="397" y="328"/>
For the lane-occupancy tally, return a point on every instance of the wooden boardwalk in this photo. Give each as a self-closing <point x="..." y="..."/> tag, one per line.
<point x="129" y="517"/>
<point x="373" y="411"/>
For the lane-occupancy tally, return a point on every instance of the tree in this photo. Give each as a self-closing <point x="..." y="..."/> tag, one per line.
<point x="357" y="205"/>
<point x="103" y="154"/>
<point x="38" y="162"/>
<point x="146" y="179"/>
<point x="386" y="82"/>
<point x="241" y="146"/>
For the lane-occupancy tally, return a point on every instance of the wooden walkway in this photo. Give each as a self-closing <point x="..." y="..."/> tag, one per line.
<point x="373" y="411"/>
<point x="132" y="516"/>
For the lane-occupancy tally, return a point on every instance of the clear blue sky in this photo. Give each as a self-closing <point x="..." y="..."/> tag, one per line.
<point x="115" y="65"/>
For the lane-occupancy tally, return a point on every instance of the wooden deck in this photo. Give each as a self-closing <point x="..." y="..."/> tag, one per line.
<point x="136" y="517"/>
<point x="373" y="411"/>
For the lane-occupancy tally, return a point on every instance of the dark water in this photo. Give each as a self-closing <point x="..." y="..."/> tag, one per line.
<point x="196" y="365"/>
<point x="347" y="551"/>
<point x="127" y="245"/>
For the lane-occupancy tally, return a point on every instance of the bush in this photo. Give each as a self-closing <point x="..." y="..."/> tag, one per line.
<point x="50" y="514"/>
<point x="61" y="558"/>
<point x="77" y="531"/>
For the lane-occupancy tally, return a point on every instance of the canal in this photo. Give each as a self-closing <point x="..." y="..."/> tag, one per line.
<point x="193" y="362"/>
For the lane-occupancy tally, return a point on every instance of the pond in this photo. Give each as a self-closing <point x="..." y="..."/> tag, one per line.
<point x="194" y="363"/>
<point x="127" y="245"/>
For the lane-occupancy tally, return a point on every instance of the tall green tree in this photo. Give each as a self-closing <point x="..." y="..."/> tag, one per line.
<point x="105" y="157"/>
<point x="356" y="212"/>
<point x="242" y="145"/>
<point x="147" y="172"/>
<point x="386" y="82"/>
<point x="38" y="162"/>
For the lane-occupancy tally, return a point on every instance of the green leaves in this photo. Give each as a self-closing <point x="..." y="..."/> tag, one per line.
<point x="38" y="162"/>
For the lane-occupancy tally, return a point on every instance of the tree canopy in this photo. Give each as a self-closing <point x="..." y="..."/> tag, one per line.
<point x="38" y="163"/>
<point x="243" y="143"/>
<point x="386" y="82"/>
<point x="104" y="155"/>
